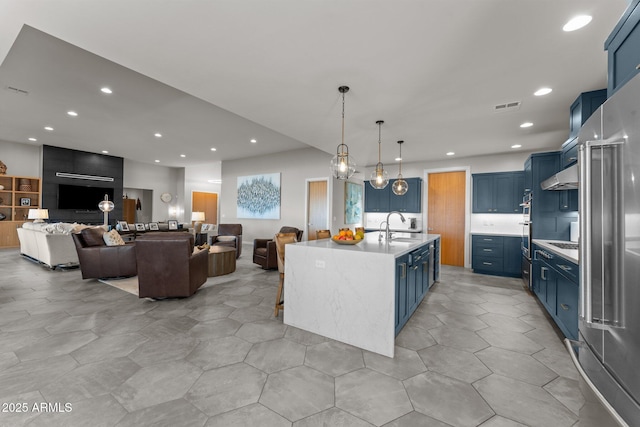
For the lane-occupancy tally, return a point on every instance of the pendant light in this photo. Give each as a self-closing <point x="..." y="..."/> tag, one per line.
<point x="379" y="177"/>
<point x="400" y="186"/>
<point x="342" y="165"/>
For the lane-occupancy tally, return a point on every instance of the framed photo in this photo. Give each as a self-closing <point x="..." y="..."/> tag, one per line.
<point x="124" y="226"/>
<point x="153" y="226"/>
<point x="25" y="201"/>
<point x="352" y="203"/>
<point x="173" y="224"/>
<point x="205" y="228"/>
<point x="139" y="226"/>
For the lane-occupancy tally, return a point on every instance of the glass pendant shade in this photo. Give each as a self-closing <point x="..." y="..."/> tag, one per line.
<point x="400" y="186"/>
<point x="342" y="165"/>
<point x="379" y="178"/>
<point x="106" y="205"/>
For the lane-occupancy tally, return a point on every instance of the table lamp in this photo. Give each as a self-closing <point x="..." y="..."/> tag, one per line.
<point x="197" y="218"/>
<point x="38" y="215"/>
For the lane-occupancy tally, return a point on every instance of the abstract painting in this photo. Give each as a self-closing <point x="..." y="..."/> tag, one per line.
<point x="352" y="203"/>
<point x="259" y="196"/>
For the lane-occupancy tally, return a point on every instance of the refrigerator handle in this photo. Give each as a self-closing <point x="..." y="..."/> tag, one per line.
<point x="584" y="202"/>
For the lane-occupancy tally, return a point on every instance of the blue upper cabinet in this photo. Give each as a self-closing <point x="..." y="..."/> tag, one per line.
<point x="623" y="49"/>
<point x="499" y="192"/>
<point x="386" y="201"/>
<point x="583" y="107"/>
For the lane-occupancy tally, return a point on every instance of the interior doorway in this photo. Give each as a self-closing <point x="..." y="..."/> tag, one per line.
<point x="317" y="206"/>
<point x="446" y="196"/>
<point x="207" y="203"/>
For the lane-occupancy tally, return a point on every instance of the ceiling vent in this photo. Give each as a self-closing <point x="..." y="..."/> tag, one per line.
<point x="16" y="90"/>
<point x="509" y="106"/>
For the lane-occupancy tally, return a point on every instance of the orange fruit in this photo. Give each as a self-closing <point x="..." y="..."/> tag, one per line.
<point x="343" y="233"/>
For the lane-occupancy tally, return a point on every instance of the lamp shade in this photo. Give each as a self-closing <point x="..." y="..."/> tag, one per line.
<point x="106" y="205"/>
<point x="197" y="216"/>
<point x="39" y="215"/>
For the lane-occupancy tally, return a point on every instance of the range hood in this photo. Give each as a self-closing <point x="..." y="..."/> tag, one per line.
<point x="566" y="179"/>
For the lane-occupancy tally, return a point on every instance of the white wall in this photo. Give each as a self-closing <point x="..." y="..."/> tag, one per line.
<point x="21" y="159"/>
<point x="295" y="167"/>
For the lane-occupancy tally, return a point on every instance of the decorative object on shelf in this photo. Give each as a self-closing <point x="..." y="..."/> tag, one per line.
<point x="400" y="186"/>
<point x="38" y="215"/>
<point x="140" y="226"/>
<point x="153" y="226"/>
<point x="173" y="224"/>
<point x="1" y="187"/>
<point x="2" y="216"/>
<point x="342" y="165"/>
<point x="379" y="177"/>
<point x="25" y="201"/>
<point x="124" y="225"/>
<point x="259" y="196"/>
<point x="3" y="169"/>
<point x="352" y="203"/>
<point x="25" y="184"/>
<point x="106" y="206"/>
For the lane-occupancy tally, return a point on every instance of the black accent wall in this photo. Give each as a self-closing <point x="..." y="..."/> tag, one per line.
<point x="55" y="159"/>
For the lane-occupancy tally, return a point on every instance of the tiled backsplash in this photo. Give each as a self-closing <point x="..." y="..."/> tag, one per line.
<point x="373" y="220"/>
<point x="496" y="223"/>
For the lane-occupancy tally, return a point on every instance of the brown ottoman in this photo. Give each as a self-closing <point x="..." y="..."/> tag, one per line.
<point x="222" y="260"/>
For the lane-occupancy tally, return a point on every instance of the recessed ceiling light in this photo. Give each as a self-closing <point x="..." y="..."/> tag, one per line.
<point x="516" y="146"/>
<point x="213" y="149"/>
<point x="450" y="153"/>
<point x="183" y="155"/>
<point x="577" y="23"/>
<point x="253" y="141"/>
<point x="157" y="135"/>
<point x="157" y="161"/>
<point x="526" y="125"/>
<point x="32" y="139"/>
<point x="49" y="128"/>
<point x="72" y="113"/>
<point x="106" y="90"/>
<point x="105" y="152"/>
<point x="543" y="91"/>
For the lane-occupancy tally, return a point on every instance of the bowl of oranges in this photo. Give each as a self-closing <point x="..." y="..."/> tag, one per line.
<point x="348" y="237"/>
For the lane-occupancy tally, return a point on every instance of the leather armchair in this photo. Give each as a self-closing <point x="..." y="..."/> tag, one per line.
<point x="225" y="232"/>
<point x="97" y="260"/>
<point x="168" y="265"/>
<point x="264" y="250"/>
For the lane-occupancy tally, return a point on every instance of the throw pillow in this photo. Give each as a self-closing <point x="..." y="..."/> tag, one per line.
<point x="226" y="238"/>
<point x="112" y="238"/>
<point x="204" y="247"/>
<point x="93" y="236"/>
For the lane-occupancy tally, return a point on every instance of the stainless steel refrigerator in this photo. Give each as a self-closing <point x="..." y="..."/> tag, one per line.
<point x="608" y="351"/>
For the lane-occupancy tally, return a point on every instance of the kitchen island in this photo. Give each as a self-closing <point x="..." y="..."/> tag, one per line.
<point x="358" y="294"/>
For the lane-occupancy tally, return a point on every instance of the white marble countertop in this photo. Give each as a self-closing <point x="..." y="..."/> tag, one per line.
<point x="489" y="233"/>
<point x="401" y="244"/>
<point x="569" y="254"/>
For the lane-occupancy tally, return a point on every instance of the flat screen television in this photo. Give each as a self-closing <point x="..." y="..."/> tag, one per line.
<point x="82" y="197"/>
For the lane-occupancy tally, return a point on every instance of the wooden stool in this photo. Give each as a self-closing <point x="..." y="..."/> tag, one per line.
<point x="323" y="234"/>
<point x="281" y="240"/>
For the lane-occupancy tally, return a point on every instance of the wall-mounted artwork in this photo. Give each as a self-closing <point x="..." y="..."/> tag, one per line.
<point x="352" y="203"/>
<point x="259" y="196"/>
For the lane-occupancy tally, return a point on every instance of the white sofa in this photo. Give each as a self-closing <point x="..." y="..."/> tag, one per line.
<point x="49" y="244"/>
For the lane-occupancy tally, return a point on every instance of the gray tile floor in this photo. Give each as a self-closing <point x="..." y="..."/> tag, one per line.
<point x="478" y="351"/>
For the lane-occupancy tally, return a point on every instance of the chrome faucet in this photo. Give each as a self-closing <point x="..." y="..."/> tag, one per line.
<point x="387" y="233"/>
<point x="380" y="230"/>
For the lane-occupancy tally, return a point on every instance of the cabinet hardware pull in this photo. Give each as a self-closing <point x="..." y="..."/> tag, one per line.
<point x="572" y="159"/>
<point x="564" y="267"/>
<point x="638" y="67"/>
<point x="564" y="306"/>
<point x="543" y="271"/>
<point x="487" y="263"/>
<point x="488" y="250"/>
<point x="488" y="240"/>
<point x="404" y="270"/>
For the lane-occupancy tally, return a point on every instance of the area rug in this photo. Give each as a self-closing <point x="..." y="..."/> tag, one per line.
<point x="127" y="284"/>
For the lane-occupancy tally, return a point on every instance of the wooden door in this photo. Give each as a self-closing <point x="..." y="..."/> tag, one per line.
<point x="207" y="203"/>
<point x="446" y="198"/>
<point x="317" y="206"/>
<point x="129" y="210"/>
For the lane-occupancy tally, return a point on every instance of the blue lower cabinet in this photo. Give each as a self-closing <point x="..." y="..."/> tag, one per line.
<point x="402" y="266"/>
<point x="555" y="283"/>
<point x="496" y="255"/>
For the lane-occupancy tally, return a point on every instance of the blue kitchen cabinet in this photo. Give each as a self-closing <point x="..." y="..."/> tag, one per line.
<point x="499" y="192"/>
<point x="411" y="201"/>
<point x="376" y="200"/>
<point x="402" y="290"/>
<point x="569" y="154"/>
<point x="623" y="49"/>
<point x="386" y="201"/>
<point x="528" y="176"/>
<point x="496" y="255"/>
<point x="555" y="284"/>
<point x="436" y="261"/>
<point x="583" y="107"/>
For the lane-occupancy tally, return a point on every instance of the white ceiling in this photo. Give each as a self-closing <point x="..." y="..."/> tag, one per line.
<point x="216" y="73"/>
